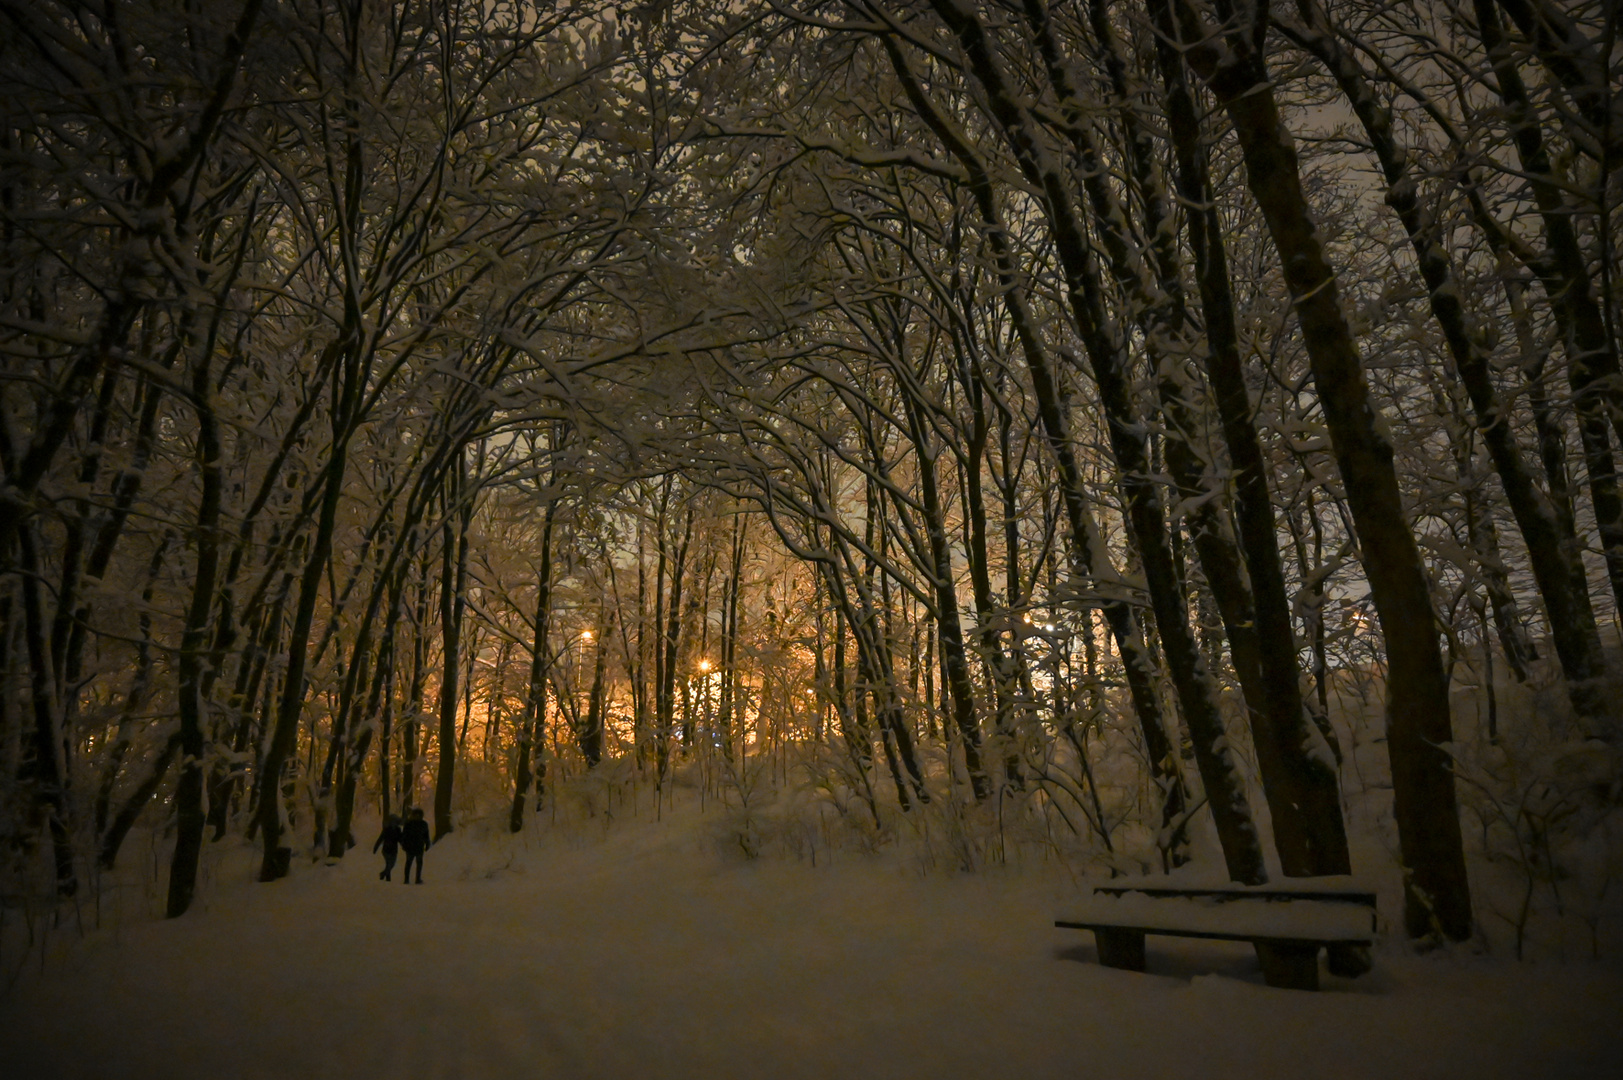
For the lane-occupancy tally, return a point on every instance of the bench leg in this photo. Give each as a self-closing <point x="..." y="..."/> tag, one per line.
<point x="1121" y="948"/>
<point x="1289" y="967"/>
<point x="1348" y="961"/>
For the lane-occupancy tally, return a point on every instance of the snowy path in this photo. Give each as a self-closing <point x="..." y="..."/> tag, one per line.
<point x="647" y="955"/>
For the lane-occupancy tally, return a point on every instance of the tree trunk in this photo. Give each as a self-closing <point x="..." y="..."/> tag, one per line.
<point x="190" y="817"/>
<point x="1088" y="557"/>
<point x="591" y="732"/>
<point x="128" y="814"/>
<point x="1550" y="542"/>
<point x="49" y="768"/>
<point x="290" y="708"/>
<point x="531" y="732"/>
<point x="1418" y="718"/>
<point x="1107" y="358"/>
<point x="453" y="602"/>
<point x="1299" y="776"/>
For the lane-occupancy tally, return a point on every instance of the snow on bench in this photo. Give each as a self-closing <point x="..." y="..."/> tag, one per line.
<point x="1287" y="925"/>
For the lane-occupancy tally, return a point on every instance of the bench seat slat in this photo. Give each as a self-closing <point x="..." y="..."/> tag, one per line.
<point x="1245" y="916"/>
<point x="1287" y="927"/>
<point x="1219" y="935"/>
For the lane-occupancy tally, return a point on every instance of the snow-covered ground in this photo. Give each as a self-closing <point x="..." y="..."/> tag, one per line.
<point x="646" y="950"/>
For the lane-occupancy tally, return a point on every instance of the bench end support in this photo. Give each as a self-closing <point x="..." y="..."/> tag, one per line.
<point x="1120" y="948"/>
<point x="1290" y="966"/>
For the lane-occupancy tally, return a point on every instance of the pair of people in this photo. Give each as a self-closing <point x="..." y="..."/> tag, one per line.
<point x="412" y="836"/>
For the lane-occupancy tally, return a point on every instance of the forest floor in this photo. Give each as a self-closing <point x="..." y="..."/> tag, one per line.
<point x="647" y="950"/>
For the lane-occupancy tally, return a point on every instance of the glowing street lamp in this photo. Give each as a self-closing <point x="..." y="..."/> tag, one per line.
<point x="704" y="665"/>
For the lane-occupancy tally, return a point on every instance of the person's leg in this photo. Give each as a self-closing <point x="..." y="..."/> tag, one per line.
<point x="388" y="865"/>
<point x="420" y="868"/>
<point x="411" y="857"/>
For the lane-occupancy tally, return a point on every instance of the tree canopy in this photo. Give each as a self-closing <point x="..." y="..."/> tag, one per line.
<point x="1061" y="411"/>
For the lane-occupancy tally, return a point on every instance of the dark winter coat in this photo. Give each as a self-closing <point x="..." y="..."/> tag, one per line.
<point x="414" y="837"/>
<point x="389" y="841"/>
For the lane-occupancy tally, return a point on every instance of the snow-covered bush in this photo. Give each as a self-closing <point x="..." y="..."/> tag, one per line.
<point x="1544" y="806"/>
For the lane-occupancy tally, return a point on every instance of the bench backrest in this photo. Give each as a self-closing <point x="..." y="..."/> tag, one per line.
<point x="1367" y="899"/>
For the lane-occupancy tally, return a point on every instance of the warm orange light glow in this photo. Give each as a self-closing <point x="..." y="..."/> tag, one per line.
<point x="704" y="665"/>
<point x="586" y="635"/>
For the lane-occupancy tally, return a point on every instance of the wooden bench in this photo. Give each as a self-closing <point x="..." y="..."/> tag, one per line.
<point x="1287" y="926"/>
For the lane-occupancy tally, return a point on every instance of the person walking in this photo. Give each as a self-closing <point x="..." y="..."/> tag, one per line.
<point x="414" y="838"/>
<point x="389" y="841"/>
